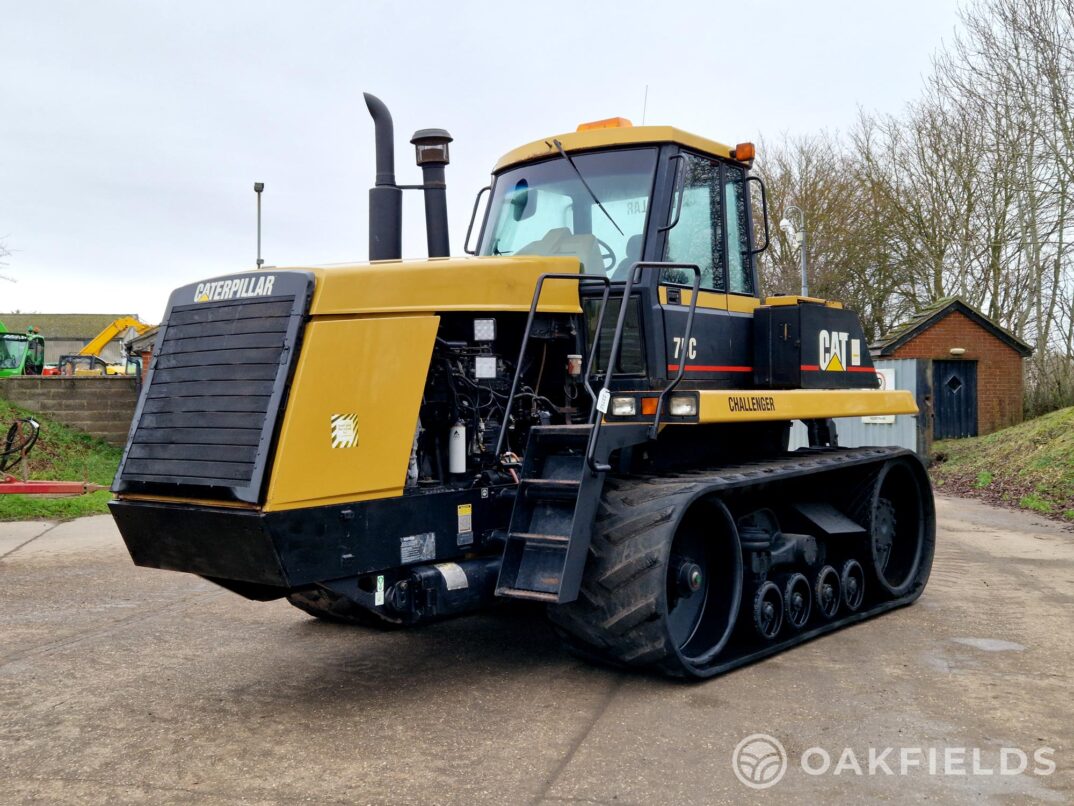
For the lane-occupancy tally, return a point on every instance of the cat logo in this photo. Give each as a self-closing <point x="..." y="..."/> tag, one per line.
<point x="344" y="430"/>
<point x="832" y="349"/>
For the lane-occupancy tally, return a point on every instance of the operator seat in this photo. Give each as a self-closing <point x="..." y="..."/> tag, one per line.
<point x="633" y="255"/>
<point x="562" y="242"/>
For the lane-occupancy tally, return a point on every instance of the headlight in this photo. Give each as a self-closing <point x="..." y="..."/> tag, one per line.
<point x="683" y="406"/>
<point x="484" y="330"/>
<point x="624" y="406"/>
<point x="485" y="367"/>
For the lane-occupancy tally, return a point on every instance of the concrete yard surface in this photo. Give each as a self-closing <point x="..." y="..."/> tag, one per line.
<point x="127" y="685"/>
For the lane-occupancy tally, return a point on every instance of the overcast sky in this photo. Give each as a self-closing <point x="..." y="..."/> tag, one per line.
<point x="131" y="132"/>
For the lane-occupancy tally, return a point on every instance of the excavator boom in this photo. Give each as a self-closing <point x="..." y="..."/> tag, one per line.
<point x="112" y="330"/>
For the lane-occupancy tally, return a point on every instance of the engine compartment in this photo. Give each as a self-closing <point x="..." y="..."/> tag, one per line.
<point x="463" y="406"/>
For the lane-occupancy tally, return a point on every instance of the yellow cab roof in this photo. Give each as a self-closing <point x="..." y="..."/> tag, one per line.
<point x="612" y="136"/>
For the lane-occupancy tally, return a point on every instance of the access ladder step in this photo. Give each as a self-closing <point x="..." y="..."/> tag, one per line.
<point x="533" y="562"/>
<point x="550" y="489"/>
<point x="518" y="593"/>
<point x="533" y="538"/>
<point x="580" y="429"/>
<point x="548" y="539"/>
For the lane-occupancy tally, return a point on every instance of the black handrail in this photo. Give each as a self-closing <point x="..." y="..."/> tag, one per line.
<point x="635" y="271"/>
<point x="473" y="217"/>
<point x="764" y="213"/>
<point x="526" y="339"/>
<point x="680" y="187"/>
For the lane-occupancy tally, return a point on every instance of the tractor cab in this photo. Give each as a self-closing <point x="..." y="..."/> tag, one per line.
<point x="613" y="195"/>
<point x="21" y="353"/>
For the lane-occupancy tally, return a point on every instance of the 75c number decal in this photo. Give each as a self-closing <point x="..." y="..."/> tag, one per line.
<point x="691" y="348"/>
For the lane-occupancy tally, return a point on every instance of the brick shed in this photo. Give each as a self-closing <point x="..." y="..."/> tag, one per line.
<point x="142" y="346"/>
<point x="976" y="367"/>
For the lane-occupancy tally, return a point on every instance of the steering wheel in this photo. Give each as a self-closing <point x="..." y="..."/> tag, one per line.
<point x="607" y="254"/>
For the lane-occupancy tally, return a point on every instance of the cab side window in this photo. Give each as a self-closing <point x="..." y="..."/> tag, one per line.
<point x="739" y="259"/>
<point x="37" y="351"/>
<point x="698" y="236"/>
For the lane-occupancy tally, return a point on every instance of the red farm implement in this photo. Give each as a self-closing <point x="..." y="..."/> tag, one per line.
<point x="20" y="440"/>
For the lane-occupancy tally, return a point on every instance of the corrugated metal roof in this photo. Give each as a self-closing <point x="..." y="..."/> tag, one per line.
<point x="145" y="340"/>
<point x="931" y="314"/>
<point x="82" y="326"/>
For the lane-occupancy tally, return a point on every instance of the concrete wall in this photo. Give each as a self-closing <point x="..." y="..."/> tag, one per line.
<point x="999" y="367"/>
<point x="102" y="406"/>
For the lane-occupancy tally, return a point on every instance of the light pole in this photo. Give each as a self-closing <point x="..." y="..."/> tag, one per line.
<point x="258" y="187"/>
<point x="797" y="234"/>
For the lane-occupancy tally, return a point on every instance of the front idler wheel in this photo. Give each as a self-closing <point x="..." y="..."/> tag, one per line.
<point x="826" y="591"/>
<point x="852" y="580"/>
<point x="797" y="600"/>
<point x="768" y="610"/>
<point x="900" y="531"/>
<point x="703" y="583"/>
<point x="663" y="585"/>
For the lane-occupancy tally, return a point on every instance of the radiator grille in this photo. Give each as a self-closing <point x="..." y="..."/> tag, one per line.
<point x="209" y="408"/>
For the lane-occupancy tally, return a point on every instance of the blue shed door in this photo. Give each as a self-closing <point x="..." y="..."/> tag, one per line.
<point x="954" y="390"/>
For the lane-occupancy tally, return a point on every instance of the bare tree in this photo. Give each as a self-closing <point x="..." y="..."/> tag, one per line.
<point x="5" y="253"/>
<point x="846" y="260"/>
<point x="1016" y="57"/>
<point x="967" y="192"/>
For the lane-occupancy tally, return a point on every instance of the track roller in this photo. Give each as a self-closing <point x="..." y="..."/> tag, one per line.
<point x="852" y="582"/>
<point x="768" y="610"/>
<point x="797" y="600"/>
<point x="826" y="589"/>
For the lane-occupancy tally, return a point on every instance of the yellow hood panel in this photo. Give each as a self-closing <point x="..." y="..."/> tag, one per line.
<point x="349" y="423"/>
<point x="444" y="284"/>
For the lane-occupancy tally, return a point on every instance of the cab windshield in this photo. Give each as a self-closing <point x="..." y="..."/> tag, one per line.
<point x="12" y="350"/>
<point x="544" y="209"/>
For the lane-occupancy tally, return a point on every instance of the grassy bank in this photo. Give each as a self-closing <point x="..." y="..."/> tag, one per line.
<point x="1029" y="465"/>
<point x="61" y="453"/>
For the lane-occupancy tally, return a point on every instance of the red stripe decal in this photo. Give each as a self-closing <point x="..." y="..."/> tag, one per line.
<point x="708" y="368"/>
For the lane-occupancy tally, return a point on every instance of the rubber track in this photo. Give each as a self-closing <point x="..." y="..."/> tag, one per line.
<point x="616" y="617"/>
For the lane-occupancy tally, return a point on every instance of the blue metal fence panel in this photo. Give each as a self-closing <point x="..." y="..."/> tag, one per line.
<point x="857" y="432"/>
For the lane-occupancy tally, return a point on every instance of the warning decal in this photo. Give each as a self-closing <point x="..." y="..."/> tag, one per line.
<point x="344" y="430"/>
<point x="416" y="548"/>
<point x="466" y="525"/>
<point x="466" y="518"/>
<point x="454" y="576"/>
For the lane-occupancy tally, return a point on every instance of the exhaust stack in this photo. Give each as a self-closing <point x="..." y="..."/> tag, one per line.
<point x="431" y="152"/>
<point x="385" y="198"/>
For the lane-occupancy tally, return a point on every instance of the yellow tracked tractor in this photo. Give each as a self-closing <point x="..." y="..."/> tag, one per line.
<point x="591" y="411"/>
